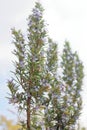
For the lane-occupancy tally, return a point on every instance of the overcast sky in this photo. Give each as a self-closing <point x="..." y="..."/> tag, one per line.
<point x="67" y="20"/>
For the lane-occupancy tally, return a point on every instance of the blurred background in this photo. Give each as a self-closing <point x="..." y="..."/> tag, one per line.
<point x="67" y="20"/>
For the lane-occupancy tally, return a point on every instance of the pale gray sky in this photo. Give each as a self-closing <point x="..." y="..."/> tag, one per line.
<point x="67" y="19"/>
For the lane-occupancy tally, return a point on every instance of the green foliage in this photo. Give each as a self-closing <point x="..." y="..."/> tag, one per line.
<point x="49" y="100"/>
